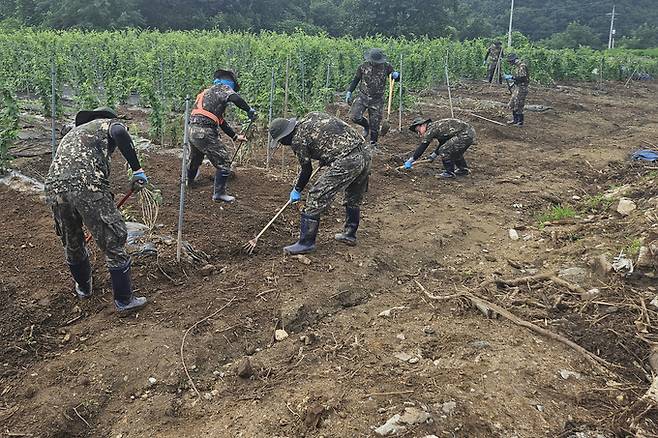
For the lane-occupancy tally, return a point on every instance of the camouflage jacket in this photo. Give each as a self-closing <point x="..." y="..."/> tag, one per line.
<point x="82" y="161"/>
<point x="373" y="78"/>
<point x="215" y="100"/>
<point x="493" y="53"/>
<point x="325" y="138"/>
<point x="444" y="129"/>
<point x="520" y="73"/>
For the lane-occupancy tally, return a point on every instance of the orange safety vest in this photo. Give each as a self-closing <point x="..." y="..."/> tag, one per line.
<point x="199" y="111"/>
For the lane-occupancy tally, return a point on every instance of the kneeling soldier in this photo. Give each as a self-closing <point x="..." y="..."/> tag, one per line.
<point x="332" y="142"/>
<point x="454" y="136"/>
<point x="78" y="189"/>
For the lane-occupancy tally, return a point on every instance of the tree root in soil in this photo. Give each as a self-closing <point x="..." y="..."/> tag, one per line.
<point x="487" y="307"/>
<point x="182" y="344"/>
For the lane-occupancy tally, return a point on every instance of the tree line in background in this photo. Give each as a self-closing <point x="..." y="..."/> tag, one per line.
<point x="563" y="24"/>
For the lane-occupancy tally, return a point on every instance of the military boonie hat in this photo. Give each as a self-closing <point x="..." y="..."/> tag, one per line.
<point x="230" y="75"/>
<point x="104" y="112"/>
<point x="512" y="57"/>
<point x="417" y="122"/>
<point x="375" y="55"/>
<point x="279" y="128"/>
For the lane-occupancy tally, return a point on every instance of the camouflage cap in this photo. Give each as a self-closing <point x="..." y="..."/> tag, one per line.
<point x="375" y="55"/>
<point x="512" y="57"/>
<point x="279" y="128"/>
<point x="498" y="43"/>
<point x="104" y="112"/>
<point x="417" y="122"/>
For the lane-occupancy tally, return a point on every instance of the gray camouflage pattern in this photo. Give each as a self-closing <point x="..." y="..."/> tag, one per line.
<point x="454" y="136"/>
<point x="520" y="89"/>
<point x="374" y="107"/>
<point x="215" y="100"/>
<point x="335" y="144"/>
<point x="82" y="160"/>
<point x="205" y="141"/>
<point x="374" y="78"/>
<point x="97" y="212"/>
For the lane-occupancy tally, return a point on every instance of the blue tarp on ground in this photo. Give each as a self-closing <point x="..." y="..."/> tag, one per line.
<point x="645" y="155"/>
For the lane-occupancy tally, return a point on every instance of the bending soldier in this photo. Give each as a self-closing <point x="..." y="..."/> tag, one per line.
<point x="494" y="56"/>
<point x="207" y="117"/>
<point x="78" y="189"/>
<point x="521" y="79"/>
<point x="372" y="76"/>
<point x="336" y="145"/>
<point x="455" y="137"/>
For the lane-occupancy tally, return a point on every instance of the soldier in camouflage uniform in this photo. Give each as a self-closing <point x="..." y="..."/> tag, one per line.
<point x="207" y="117"/>
<point x="372" y="75"/>
<point x="455" y="137"/>
<point x="493" y="56"/>
<point x="78" y="189"/>
<point x="332" y="142"/>
<point x="521" y="78"/>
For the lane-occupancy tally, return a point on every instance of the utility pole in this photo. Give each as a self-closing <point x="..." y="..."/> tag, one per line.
<point x="611" y="41"/>
<point x="509" y="32"/>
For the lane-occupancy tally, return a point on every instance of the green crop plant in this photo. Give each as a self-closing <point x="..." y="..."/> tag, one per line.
<point x="556" y="213"/>
<point x="8" y="126"/>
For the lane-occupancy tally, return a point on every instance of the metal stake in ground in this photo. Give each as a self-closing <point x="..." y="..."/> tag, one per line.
<point x="269" y="120"/>
<point x="400" y="111"/>
<point x="183" y="178"/>
<point x="53" y="109"/>
<point x="285" y="110"/>
<point x="452" y="111"/>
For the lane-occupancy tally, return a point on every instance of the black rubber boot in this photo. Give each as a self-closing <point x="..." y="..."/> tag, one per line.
<point x="462" y="167"/>
<point x="366" y="126"/>
<point x="81" y="273"/>
<point x="192" y="175"/>
<point x="308" y="232"/>
<point x="122" y="289"/>
<point x="520" y="121"/>
<point x="221" y="175"/>
<point x="448" y="170"/>
<point x="515" y="119"/>
<point x="348" y="236"/>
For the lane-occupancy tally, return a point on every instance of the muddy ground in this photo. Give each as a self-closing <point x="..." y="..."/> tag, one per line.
<point x="73" y="369"/>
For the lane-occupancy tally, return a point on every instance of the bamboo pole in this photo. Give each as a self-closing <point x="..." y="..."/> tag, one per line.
<point x="53" y="108"/>
<point x="452" y="111"/>
<point x="269" y="137"/>
<point x="400" y="110"/>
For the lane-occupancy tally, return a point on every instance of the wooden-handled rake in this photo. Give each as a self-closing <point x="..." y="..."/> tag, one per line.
<point x="251" y="245"/>
<point x="416" y="163"/>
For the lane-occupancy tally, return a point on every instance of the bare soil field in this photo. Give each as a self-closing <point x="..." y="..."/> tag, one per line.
<point x="366" y="341"/>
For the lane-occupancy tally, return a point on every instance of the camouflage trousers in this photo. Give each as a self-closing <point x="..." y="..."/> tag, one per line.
<point x="204" y="141"/>
<point x="349" y="173"/>
<point x="491" y="71"/>
<point x="374" y="107"/>
<point x="454" y="148"/>
<point x="517" y="102"/>
<point x="97" y="212"/>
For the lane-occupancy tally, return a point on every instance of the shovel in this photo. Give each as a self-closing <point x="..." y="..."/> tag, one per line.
<point x="251" y="245"/>
<point x="386" y="126"/>
<point x="119" y="205"/>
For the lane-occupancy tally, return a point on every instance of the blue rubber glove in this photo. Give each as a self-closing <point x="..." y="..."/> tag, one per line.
<point x="395" y="75"/>
<point x="252" y="114"/>
<point x="348" y="96"/>
<point x="409" y="163"/>
<point x="295" y="195"/>
<point x="432" y="156"/>
<point x="508" y="77"/>
<point x="138" y="180"/>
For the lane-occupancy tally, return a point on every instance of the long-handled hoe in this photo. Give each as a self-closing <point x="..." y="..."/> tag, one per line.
<point x="251" y="245"/>
<point x="386" y="124"/>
